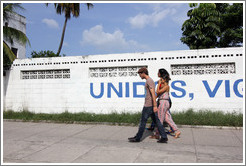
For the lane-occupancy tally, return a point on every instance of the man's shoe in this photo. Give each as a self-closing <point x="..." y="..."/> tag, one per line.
<point x="131" y="138"/>
<point x="134" y="140"/>
<point x="162" y="140"/>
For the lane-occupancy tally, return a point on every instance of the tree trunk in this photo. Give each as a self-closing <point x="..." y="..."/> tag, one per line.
<point x="62" y="37"/>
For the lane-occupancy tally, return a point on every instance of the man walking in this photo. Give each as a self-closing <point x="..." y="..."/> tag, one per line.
<point x="150" y="107"/>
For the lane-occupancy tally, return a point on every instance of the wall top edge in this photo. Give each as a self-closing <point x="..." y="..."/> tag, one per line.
<point x="129" y="55"/>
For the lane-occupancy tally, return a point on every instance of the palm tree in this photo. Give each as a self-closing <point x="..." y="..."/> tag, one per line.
<point x="11" y="34"/>
<point x="202" y="28"/>
<point x="67" y="9"/>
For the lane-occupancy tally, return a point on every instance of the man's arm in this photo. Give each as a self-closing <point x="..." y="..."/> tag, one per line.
<point x="152" y="91"/>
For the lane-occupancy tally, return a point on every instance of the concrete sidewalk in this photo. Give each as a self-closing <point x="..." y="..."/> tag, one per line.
<point x="27" y="142"/>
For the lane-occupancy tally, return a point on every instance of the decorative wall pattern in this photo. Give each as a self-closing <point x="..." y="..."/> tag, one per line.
<point x="45" y="74"/>
<point x="200" y="69"/>
<point x="125" y="71"/>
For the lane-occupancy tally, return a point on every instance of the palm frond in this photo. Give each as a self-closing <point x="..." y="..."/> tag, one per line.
<point x="8" y="53"/>
<point x="10" y="8"/>
<point x="11" y="33"/>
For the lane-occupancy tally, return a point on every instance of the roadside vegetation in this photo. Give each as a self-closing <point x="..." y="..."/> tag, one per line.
<point x="189" y="117"/>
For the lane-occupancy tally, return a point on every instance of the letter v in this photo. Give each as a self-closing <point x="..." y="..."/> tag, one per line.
<point x="210" y="92"/>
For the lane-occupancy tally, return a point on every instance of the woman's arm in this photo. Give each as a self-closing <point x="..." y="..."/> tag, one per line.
<point x="158" y="88"/>
<point x="165" y="88"/>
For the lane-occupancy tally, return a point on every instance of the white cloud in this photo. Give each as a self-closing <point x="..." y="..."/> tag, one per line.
<point x="176" y="12"/>
<point x="153" y="19"/>
<point x="50" y="23"/>
<point x="109" y="41"/>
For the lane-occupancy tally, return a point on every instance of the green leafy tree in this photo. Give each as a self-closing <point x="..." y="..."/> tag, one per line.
<point x="231" y="25"/>
<point x="213" y="25"/>
<point x="68" y="9"/>
<point x="202" y="28"/>
<point x="44" y="54"/>
<point x="11" y="34"/>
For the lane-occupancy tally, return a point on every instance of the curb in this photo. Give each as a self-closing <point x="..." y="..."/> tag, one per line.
<point x="124" y="124"/>
<point x="211" y="127"/>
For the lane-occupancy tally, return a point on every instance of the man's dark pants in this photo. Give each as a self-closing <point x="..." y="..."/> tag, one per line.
<point x="146" y="113"/>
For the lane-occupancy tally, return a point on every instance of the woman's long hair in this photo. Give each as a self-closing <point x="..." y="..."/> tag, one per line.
<point x="164" y="74"/>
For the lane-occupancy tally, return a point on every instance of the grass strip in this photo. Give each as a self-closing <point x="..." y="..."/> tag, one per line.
<point x="208" y="118"/>
<point x="189" y="117"/>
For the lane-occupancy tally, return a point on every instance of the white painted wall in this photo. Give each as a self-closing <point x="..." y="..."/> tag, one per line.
<point x="74" y="95"/>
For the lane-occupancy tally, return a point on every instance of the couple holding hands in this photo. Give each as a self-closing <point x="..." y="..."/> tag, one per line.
<point x="159" y="113"/>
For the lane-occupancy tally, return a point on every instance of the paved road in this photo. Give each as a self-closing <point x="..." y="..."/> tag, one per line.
<point x="27" y="142"/>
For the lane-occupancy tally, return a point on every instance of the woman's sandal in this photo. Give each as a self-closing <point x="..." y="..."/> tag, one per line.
<point x="177" y="134"/>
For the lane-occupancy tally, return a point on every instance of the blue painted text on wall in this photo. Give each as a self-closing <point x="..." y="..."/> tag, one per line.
<point x="177" y="89"/>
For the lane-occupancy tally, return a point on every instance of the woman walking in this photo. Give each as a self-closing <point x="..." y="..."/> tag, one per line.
<point x="164" y="105"/>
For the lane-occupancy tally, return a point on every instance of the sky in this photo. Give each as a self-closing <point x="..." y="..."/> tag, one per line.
<point x="107" y="28"/>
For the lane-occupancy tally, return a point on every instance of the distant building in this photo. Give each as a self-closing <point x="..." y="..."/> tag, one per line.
<point x="18" y="22"/>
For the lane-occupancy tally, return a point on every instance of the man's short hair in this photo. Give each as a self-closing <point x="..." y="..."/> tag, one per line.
<point x="143" y="70"/>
